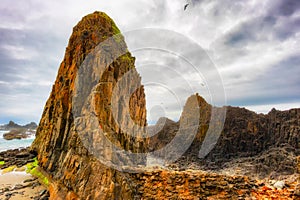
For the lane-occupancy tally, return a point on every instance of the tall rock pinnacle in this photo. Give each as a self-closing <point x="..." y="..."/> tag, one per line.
<point x="96" y="90"/>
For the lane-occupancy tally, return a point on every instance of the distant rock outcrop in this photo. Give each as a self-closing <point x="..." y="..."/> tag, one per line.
<point x="12" y="125"/>
<point x="31" y="126"/>
<point x="17" y="131"/>
<point x="16" y="134"/>
<point x="270" y="142"/>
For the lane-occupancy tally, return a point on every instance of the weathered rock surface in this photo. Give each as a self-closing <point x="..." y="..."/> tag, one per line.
<point x="262" y="145"/>
<point x="195" y="184"/>
<point x="62" y="144"/>
<point x="192" y="185"/>
<point x="163" y="132"/>
<point x="247" y="133"/>
<point x="259" y="146"/>
<point x="79" y="122"/>
<point x="16" y="157"/>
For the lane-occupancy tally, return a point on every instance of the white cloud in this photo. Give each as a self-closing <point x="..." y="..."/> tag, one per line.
<point x="19" y="52"/>
<point x="267" y="108"/>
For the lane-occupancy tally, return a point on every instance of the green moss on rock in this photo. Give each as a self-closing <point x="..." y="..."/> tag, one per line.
<point x="37" y="173"/>
<point x="114" y="27"/>
<point x="9" y="169"/>
<point x="33" y="169"/>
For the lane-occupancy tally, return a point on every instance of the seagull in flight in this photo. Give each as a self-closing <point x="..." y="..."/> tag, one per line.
<point x="185" y="6"/>
<point x="190" y="3"/>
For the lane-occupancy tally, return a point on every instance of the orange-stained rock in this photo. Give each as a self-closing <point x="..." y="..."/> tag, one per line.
<point x="66" y="126"/>
<point x="59" y="141"/>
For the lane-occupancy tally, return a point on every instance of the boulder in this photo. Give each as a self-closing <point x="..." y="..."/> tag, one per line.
<point x="15" y="134"/>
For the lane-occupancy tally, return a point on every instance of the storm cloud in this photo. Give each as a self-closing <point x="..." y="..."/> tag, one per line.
<point x="254" y="45"/>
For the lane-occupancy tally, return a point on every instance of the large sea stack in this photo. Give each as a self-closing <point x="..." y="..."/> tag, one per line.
<point x="95" y="60"/>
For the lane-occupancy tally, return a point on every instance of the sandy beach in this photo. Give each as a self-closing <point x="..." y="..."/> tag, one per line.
<point x="16" y="176"/>
<point x="20" y="186"/>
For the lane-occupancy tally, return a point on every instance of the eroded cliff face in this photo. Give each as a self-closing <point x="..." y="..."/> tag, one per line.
<point x="267" y="145"/>
<point x="96" y="59"/>
<point x="248" y="133"/>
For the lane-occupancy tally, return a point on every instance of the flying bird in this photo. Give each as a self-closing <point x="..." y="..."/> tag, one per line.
<point x="185" y="6"/>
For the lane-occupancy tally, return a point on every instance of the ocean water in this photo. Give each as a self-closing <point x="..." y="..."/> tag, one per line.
<point x="14" y="144"/>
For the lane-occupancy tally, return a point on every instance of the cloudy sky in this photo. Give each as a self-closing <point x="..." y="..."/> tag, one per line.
<point x="254" y="45"/>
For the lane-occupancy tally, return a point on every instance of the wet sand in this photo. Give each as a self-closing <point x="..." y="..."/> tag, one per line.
<point x="20" y="186"/>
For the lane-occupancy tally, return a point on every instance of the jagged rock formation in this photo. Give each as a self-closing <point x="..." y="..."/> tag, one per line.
<point x="163" y="132"/>
<point x="247" y="133"/>
<point x="89" y="107"/>
<point x="17" y="131"/>
<point x="269" y="143"/>
<point x="95" y="60"/>
<point x="31" y="125"/>
<point x="12" y="125"/>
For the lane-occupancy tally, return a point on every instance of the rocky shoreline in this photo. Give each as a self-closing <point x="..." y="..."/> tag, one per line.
<point x="15" y="183"/>
<point x="226" y="186"/>
<point x="18" y="134"/>
<point x="16" y="157"/>
<point x="197" y="184"/>
<point x="30" y="188"/>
